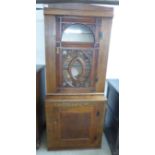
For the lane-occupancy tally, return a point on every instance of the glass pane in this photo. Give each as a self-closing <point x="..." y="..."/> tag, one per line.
<point x="78" y="33"/>
<point x="76" y="70"/>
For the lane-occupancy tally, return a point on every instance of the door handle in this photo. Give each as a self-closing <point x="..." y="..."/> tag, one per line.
<point x="97" y="113"/>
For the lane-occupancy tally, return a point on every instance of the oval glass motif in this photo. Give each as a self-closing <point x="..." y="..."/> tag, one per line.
<point x="78" y="33"/>
<point x="77" y="69"/>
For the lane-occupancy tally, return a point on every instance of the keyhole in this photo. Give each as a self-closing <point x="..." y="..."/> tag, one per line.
<point x="98" y="113"/>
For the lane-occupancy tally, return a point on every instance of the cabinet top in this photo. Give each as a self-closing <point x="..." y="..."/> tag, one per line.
<point x="78" y="9"/>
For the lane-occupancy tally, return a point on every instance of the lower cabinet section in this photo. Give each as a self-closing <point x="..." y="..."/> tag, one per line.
<point x="74" y="122"/>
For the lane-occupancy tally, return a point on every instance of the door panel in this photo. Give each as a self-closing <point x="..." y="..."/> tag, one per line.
<point x="75" y="124"/>
<point x="71" y="125"/>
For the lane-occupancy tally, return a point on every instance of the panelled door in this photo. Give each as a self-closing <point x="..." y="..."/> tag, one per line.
<point x="74" y="125"/>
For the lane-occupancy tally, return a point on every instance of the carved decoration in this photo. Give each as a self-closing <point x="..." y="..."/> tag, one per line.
<point x="76" y="67"/>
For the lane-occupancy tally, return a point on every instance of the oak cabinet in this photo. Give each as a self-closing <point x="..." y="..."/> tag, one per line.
<point x="76" y="43"/>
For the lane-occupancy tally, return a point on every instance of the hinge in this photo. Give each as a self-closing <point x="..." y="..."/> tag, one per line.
<point x="96" y="79"/>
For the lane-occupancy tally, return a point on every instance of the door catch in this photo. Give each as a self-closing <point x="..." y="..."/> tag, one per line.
<point x="57" y="50"/>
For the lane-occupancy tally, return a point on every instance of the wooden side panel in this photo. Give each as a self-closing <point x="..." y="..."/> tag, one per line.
<point x="74" y="124"/>
<point x="50" y="37"/>
<point x="103" y="54"/>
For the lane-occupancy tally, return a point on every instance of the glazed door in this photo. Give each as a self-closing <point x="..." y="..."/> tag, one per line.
<point x="71" y="125"/>
<point x="76" y="53"/>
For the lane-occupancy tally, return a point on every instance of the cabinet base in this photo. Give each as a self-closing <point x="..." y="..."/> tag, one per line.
<point x="74" y="121"/>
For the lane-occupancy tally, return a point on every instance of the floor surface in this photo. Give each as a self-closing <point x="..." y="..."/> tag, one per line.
<point x="104" y="150"/>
